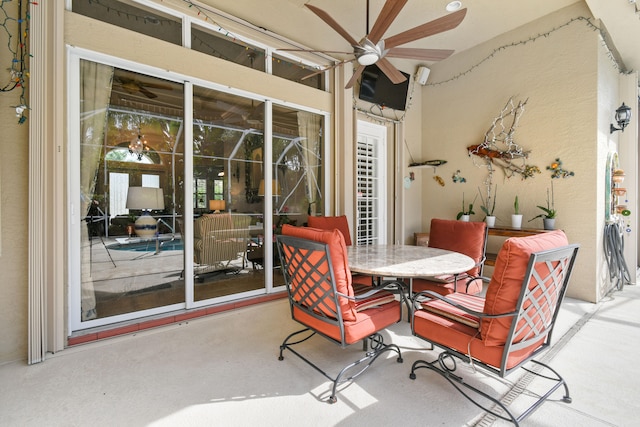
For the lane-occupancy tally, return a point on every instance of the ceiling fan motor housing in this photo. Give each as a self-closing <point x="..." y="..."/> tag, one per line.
<point x="367" y="52"/>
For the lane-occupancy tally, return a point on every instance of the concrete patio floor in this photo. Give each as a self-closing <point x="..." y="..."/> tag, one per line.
<point x="223" y="370"/>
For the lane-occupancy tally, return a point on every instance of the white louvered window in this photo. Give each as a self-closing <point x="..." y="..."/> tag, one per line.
<point x="370" y="184"/>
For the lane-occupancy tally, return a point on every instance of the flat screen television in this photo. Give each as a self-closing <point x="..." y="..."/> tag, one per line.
<point x="378" y="89"/>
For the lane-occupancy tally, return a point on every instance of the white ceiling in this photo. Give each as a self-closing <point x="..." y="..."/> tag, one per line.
<point x="485" y="19"/>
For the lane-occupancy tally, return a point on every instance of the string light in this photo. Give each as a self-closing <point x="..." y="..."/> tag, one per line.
<point x="155" y="20"/>
<point x="582" y="19"/>
<point x="17" y="30"/>
<point x="381" y="119"/>
<point x="206" y="13"/>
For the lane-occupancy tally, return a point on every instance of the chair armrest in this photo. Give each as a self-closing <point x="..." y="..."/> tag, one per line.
<point x="471" y="279"/>
<point x="418" y="299"/>
<point x="389" y="286"/>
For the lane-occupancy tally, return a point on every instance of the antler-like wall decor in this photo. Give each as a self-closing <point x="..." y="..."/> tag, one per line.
<point x="499" y="148"/>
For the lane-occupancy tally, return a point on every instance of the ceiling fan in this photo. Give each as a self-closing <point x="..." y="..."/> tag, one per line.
<point x="372" y="49"/>
<point x="133" y="86"/>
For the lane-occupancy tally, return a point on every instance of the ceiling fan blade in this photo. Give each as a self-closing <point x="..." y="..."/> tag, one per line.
<point x="332" y="23"/>
<point x="157" y="85"/>
<point x="446" y="23"/>
<point x="355" y="77"/>
<point x="146" y="92"/>
<point x="337" y="64"/>
<point x="423" y="54"/>
<point x="314" y="50"/>
<point x="391" y="71"/>
<point x="387" y="15"/>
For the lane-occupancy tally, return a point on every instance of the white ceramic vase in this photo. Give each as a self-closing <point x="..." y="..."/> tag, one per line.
<point x="516" y="220"/>
<point x="464" y="218"/>
<point x="491" y="221"/>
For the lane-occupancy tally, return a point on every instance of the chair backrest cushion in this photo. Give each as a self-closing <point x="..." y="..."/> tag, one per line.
<point x="507" y="281"/>
<point x="211" y="222"/>
<point x="331" y="222"/>
<point x="339" y="260"/>
<point x="468" y="238"/>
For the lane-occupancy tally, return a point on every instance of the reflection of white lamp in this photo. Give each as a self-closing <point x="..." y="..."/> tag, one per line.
<point x="216" y="205"/>
<point x="275" y="189"/>
<point x="145" y="199"/>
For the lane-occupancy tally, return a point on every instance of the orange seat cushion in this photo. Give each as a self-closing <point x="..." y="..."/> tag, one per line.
<point x="338" y="252"/>
<point x="331" y="222"/>
<point x="506" y="282"/>
<point x="471" y="302"/>
<point x="376" y="300"/>
<point x="364" y="324"/>
<point x="448" y="287"/>
<point x="449" y="333"/>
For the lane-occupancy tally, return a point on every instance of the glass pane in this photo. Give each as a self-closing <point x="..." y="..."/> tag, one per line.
<point x="297" y="72"/>
<point x="297" y="160"/>
<point x="132" y="254"/>
<point x="132" y="16"/>
<point x="228" y="144"/>
<point x="215" y="44"/>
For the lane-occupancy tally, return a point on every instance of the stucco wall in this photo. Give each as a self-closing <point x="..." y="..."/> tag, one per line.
<point x="560" y="76"/>
<point x="14" y="190"/>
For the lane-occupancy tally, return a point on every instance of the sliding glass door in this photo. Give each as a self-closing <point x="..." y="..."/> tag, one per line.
<point x="178" y="213"/>
<point x="228" y="142"/>
<point x="131" y="144"/>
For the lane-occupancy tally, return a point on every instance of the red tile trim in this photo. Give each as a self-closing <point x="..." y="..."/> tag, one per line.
<point x="117" y="331"/>
<point x="171" y="319"/>
<point x="82" y="339"/>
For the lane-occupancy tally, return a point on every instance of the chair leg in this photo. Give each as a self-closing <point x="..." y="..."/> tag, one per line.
<point x="445" y="365"/>
<point x="377" y="348"/>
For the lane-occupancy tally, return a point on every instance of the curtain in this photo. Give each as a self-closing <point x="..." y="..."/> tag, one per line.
<point x="95" y="92"/>
<point x="309" y="128"/>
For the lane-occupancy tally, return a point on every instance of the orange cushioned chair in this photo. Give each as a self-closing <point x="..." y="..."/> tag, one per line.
<point x="331" y="222"/>
<point x="469" y="238"/>
<point x="507" y="328"/>
<point x="322" y="298"/>
<point x="340" y="223"/>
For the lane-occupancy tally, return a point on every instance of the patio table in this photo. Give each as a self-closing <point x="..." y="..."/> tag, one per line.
<point x="401" y="262"/>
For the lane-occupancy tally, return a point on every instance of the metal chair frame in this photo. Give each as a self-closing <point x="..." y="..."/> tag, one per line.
<point x="527" y="327"/>
<point x="308" y="292"/>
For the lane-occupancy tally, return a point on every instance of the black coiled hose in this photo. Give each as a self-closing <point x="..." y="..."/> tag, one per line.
<point x="614" y="253"/>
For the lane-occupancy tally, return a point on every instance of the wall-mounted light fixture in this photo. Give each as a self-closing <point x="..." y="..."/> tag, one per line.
<point x="623" y="117"/>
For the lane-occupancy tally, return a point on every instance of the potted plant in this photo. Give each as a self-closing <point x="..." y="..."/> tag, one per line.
<point x="516" y="217"/>
<point x="488" y="207"/>
<point x="464" y="214"/>
<point x="549" y="213"/>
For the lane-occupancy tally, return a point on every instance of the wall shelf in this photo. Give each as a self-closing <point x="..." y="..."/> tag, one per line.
<point x="428" y="164"/>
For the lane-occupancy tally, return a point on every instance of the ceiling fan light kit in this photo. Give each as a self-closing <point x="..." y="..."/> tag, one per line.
<point x="372" y="49"/>
<point x="368" y="53"/>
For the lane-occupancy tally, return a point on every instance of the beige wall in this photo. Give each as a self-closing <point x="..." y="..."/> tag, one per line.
<point x="561" y="76"/>
<point x="410" y="151"/>
<point x="14" y="190"/>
